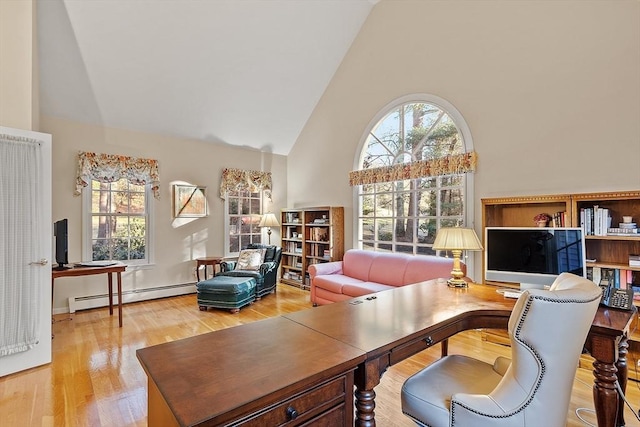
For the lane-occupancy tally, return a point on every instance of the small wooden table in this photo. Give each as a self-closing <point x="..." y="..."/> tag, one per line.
<point x="212" y="261"/>
<point x="88" y="271"/>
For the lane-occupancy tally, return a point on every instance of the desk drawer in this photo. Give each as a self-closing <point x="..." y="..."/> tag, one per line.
<point x="316" y="402"/>
<point x="400" y="353"/>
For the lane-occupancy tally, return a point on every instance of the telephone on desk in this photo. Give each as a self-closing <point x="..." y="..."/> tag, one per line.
<point x="616" y="297"/>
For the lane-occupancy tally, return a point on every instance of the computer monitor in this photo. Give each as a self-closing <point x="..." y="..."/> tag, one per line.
<point x="533" y="256"/>
<point x="60" y="230"/>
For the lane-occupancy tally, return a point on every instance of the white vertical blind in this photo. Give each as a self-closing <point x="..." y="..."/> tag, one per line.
<point x="20" y="292"/>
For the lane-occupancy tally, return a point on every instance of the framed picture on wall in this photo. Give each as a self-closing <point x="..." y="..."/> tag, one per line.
<point x="189" y="201"/>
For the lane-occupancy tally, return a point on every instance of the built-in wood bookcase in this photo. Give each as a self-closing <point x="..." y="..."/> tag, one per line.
<point x="607" y="251"/>
<point x="309" y="236"/>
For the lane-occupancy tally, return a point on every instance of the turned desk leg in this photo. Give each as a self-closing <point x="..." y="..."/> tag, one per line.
<point x="622" y="375"/>
<point x="605" y="395"/>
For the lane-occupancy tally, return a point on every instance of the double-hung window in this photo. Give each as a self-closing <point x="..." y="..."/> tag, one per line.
<point x="243" y="213"/>
<point x="118" y="222"/>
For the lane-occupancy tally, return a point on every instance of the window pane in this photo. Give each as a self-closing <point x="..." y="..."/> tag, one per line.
<point x="451" y="222"/>
<point x="404" y="249"/>
<point x="452" y="180"/>
<point x="233" y="205"/>
<point x="451" y="202"/>
<point x="384" y="229"/>
<point x="368" y="229"/>
<point x="384" y="205"/>
<point x="427" y="230"/>
<point x="423" y="250"/>
<point x="428" y="205"/>
<point x="367" y="204"/>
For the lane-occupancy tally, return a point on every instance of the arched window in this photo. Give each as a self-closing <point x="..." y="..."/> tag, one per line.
<point x="411" y="178"/>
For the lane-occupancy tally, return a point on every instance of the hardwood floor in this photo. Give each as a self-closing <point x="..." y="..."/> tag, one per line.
<point x="96" y="380"/>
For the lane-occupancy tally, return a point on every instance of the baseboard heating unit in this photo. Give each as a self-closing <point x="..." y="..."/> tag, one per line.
<point x="132" y="295"/>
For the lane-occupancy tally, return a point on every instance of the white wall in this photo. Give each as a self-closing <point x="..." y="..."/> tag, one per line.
<point x="550" y="90"/>
<point x="177" y="243"/>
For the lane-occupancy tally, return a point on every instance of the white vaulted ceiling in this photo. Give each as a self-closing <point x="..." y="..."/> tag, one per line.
<point x="241" y="72"/>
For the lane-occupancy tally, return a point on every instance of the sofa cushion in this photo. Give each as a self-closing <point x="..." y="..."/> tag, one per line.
<point x="358" y="263"/>
<point x="364" y="288"/>
<point x="334" y="282"/>
<point x="421" y="268"/>
<point x="389" y="268"/>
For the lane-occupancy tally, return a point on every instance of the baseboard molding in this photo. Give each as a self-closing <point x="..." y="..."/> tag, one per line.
<point x="132" y="295"/>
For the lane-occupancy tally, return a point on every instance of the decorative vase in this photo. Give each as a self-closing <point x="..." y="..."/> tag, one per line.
<point x="541" y="223"/>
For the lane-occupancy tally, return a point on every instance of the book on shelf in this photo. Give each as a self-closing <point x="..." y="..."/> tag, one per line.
<point x="595" y="221"/>
<point x="617" y="231"/>
<point x="558" y="219"/>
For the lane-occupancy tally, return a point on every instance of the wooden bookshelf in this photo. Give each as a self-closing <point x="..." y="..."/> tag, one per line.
<point x="609" y="252"/>
<point x="310" y="235"/>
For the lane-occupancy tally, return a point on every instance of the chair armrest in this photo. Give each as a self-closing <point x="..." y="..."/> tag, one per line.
<point x="227" y="266"/>
<point x="321" y="269"/>
<point x="268" y="266"/>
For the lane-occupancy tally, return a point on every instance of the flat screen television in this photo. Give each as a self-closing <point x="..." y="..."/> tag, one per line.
<point x="533" y="257"/>
<point x="60" y="229"/>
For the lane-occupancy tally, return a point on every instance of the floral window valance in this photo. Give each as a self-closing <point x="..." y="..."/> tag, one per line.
<point x="113" y="167"/>
<point x="238" y="179"/>
<point x="460" y="163"/>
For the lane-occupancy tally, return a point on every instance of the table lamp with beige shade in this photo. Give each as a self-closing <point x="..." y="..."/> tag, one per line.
<point x="269" y="220"/>
<point x="456" y="240"/>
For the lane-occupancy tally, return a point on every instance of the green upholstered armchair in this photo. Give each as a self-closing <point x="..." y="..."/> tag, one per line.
<point x="266" y="276"/>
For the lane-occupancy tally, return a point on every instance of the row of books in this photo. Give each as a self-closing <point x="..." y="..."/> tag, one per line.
<point x="293" y="247"/>
<point x="595" y="221"/>
<point x="559" y="219"/>
<point x="319" y="234"/>
<point x="319" y="250"/>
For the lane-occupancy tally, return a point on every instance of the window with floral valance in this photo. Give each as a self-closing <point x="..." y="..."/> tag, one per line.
<point x="413" y="176"/>
<point x="108" y="168"/>
<point x="239" y="180"/>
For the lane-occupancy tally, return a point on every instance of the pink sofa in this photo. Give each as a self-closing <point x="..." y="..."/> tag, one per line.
<point x="365" y="272"/>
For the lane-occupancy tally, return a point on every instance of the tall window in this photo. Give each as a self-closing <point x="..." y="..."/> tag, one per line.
<point x="400" y="213"/>
<point x="118" y="222"/>
<point x="243" y="213"/>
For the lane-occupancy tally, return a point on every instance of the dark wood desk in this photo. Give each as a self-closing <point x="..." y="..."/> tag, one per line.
<point x="402" y="322"/>
<point x="270" y="372"/>
<point x="251" y="373"/>
<point x="88" y="271"/>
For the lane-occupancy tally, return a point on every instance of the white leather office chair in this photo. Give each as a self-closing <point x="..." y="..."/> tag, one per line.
<point x="547" y="329"/>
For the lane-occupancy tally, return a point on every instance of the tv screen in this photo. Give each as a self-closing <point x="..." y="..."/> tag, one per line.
<point x="533" y="257"/>
<point x="60" y="229"/>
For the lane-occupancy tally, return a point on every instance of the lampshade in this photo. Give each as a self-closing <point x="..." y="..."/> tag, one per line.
<point x="449" y="238"/>
<point x="269" y="220"/>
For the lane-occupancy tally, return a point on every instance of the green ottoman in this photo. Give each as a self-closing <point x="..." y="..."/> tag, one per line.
<point x="226" y="292"/>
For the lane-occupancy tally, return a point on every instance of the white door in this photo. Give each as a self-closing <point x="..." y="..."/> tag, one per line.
<point x="25" y="233"/>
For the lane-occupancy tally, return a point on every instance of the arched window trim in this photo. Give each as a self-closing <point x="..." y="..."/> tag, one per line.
<point x="468" y="145"/>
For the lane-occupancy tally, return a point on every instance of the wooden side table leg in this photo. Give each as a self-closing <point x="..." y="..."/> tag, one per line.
<point x="119" y="298"/>
<point x="198" y="271"/>
<point x="110" y="279"/>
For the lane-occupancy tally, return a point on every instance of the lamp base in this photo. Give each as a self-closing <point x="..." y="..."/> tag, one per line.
<point x="457" y="283"/>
